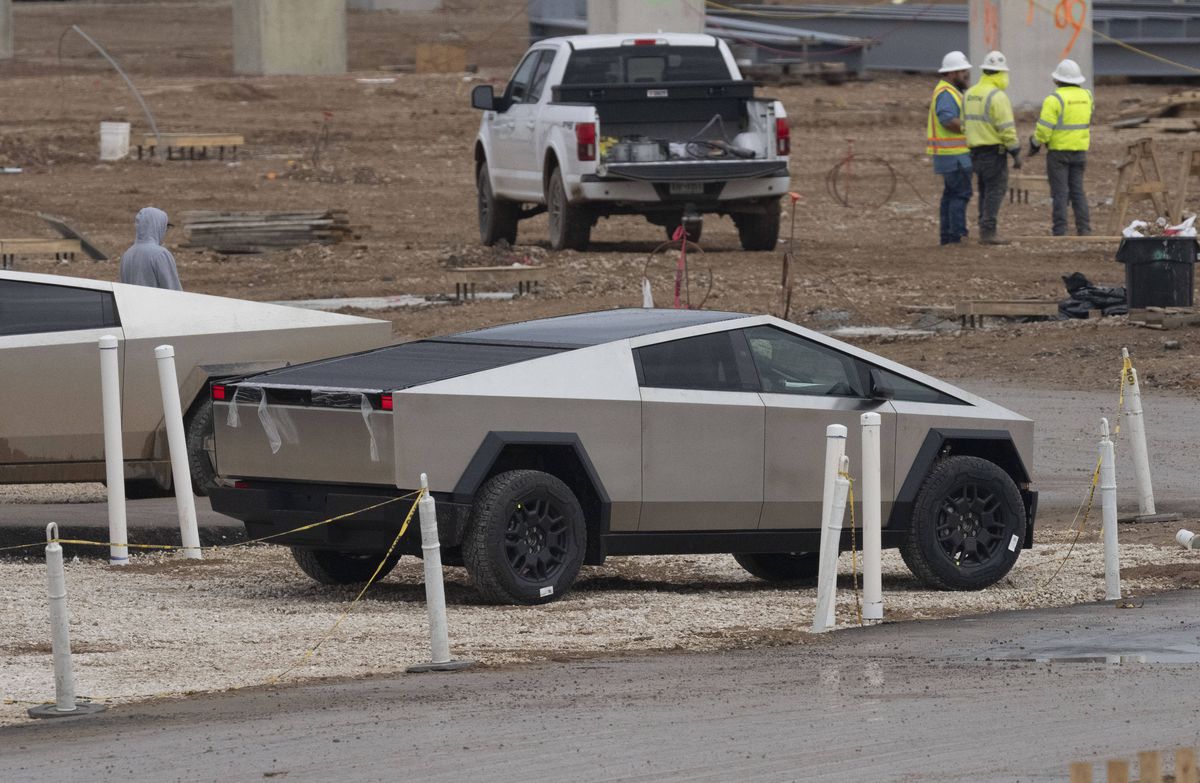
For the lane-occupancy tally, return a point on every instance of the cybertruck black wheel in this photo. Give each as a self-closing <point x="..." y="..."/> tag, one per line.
<point x="780" y="566"/>
<point x="525" y="539"/>
<point x="342" y="568"/>
<point x="967" y="526"/>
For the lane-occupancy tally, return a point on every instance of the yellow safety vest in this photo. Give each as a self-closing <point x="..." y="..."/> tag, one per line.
<point x="940" y="139"/>
<point x="1066" y="119"/>
<point x="988" y="116"/>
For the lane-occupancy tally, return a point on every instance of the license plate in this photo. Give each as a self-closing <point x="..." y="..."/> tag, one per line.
<point x="687" y="188"/>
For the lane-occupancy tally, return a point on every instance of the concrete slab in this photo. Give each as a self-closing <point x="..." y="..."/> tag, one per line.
<point x="394" y="5"/>
<point x="639" y="16"/>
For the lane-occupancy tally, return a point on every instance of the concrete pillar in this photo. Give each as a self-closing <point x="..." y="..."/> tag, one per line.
<point x="6" y="41"/>
<point x="300" y="37"/>
<point x="645" y="16"/>
<point x="1034" y="36"/>
<point x="394" y="5"/>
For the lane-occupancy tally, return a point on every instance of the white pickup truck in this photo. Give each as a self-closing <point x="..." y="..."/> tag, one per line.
<point x="661" y="125"/>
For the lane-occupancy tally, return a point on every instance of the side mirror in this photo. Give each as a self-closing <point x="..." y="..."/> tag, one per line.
<point x="483" y="97"/>
<point x="880" y="390"/>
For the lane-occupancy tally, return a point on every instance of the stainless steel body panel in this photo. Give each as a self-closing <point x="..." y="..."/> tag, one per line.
<point x="702" y="460"/>
<point x="915" y="420"/>
<point x="795" y="455"/>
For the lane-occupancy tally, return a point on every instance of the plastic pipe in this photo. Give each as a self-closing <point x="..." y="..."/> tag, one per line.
<point x="435" y="590"/>
<point x="1187" y="539"/>
<point x="114" y="450"/>
<point x="1108" y="499"/>
<point x="181" y="472"/>
<point x="60" y="634"/>
<point x="1137" y="437"/>
<point x="872" y="505"/>
<point x="825" y="616"/>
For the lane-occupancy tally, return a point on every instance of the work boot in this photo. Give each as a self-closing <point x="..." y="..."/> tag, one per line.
<point x="991" y="238"/>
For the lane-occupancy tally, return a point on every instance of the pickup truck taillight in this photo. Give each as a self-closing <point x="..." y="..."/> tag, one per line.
<point x="783" y="136"/>
<point x="585" y="140"/>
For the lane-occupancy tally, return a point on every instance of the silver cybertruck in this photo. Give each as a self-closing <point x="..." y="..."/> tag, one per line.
<point x="563" y="441"/>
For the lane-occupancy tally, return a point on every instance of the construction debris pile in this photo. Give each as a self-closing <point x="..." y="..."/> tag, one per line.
<point x="1083" y="296"/>
<point x="1178" y="113"/>
<point x="260" y="232"/>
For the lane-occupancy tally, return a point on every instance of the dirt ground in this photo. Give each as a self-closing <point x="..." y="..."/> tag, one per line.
<point x="399" y="160"/>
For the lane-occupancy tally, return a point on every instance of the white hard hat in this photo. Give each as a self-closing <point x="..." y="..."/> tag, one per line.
<point x="954" y="61"/>
<point x="1068" y="71"/>
<point x="995" y="61"/>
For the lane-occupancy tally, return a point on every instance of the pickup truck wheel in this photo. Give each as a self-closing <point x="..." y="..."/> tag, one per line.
<point x="967" y="525"/>
<point x="341" y="568"/>
<point x="780" y="566"/>
<point x="759" y="230"/>
<point x="497" y="218"/>
<point x="570" y="224"/>
<point x="525" y="539"/>
<point x="201" y="449"/>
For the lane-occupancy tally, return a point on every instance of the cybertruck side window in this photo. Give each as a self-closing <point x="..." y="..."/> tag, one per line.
<point x="35" y="308"/>
<point x="789" y="364"/>
<point x="910" y="391"/>
<point x="710" y="362"/>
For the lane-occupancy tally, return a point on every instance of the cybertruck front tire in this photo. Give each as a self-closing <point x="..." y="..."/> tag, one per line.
<point x="967" y="526"/>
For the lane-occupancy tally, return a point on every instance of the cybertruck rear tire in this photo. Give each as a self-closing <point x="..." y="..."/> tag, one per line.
<point x="525" y="539"/>
<point x="342" y="568"/>
<point x="967" y="526"/>
<point x="780" y="566"/>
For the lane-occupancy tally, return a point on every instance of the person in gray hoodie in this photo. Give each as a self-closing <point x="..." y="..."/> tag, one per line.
<point x="147" y="262"/>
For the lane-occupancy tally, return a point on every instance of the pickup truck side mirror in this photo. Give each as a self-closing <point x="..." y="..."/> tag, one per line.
<point x="483" y="97"/>
<point x="880" y="389"/>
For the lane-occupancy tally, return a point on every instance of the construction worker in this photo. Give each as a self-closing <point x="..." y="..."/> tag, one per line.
<point x="992" y="138"/>
<point x="947" y="145"/>
<point x="1063" y="128"/>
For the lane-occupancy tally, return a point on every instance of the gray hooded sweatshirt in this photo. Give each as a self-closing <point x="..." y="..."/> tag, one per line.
<point x="147" y="262"/>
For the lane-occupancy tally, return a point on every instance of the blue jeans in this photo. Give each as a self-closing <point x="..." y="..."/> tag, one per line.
<point x="956" y="192"/>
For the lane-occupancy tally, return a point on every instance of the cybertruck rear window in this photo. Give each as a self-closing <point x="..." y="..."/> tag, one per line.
<point x="646" y="64"/>
<point x="907" y="390"/>
<point x="36" y="308"/>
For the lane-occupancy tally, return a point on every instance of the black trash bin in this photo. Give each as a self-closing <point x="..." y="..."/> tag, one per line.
<point x="1159" y="271"/>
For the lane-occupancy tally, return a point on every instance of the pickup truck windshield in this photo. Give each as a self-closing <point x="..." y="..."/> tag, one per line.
<point x="634" y="64"/>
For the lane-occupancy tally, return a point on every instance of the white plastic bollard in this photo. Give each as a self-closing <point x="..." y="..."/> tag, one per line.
<point x="114" y="450"/>
<point x="872" y="504"/>
<point x="181" y="471"/>
<point x="1108" y="500"/>
<point x="60" y="637"/>
<point x="825" y="616"/>
<point x="1187" y="539"/>
<point x="435" y="589"/>
<point x="1137" y="437"/>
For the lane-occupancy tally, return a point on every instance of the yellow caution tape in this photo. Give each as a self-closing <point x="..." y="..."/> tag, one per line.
<point x="853" y="546"/>
<point x="248" y="542"/>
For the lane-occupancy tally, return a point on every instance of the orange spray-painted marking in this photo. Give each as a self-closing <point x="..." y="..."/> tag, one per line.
<point x="1065" y="16"/>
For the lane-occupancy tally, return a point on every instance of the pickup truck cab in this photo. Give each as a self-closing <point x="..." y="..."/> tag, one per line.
<point x="661" y="125"/>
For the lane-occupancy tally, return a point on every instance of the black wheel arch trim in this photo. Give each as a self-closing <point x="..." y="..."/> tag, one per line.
<point x="1008" y="458"/>
<point x="494" y="444"/>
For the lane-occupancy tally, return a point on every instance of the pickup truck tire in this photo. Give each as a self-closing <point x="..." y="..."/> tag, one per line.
<point x="525" y="538"/>
<point x="570" y="224"/>
<point x="201" y="448"/>
<point x="341" y="568"/>
<point x="498" y="219"/>
<point x="967" y="525"/>
<point x="780" y="566"/>
<point x="759" y="230"/>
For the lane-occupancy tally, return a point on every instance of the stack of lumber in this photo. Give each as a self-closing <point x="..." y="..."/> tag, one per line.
<point x="259" y="232"/>
<point x="1164" y="317"/>
<point x="1178" y="113"/>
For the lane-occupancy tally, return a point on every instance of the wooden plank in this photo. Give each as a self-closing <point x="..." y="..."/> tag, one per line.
<point x="1150" y="766"/>
<point x="21" y="247"/>
<point x="1118" y="771"/>
<point x="1185" y="766"/>
<point x="440" y="58"/>
<point x="1081" y="772"/>
<point x="1008" y="307"/>
<point x="194" y="140"/>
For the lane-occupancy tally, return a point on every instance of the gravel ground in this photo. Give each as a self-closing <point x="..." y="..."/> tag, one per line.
<point x="167" y="627"/>
<point x="53" y="493"/>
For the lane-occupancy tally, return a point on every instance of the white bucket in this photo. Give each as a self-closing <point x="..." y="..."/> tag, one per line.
<point x="114" y="140"/>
